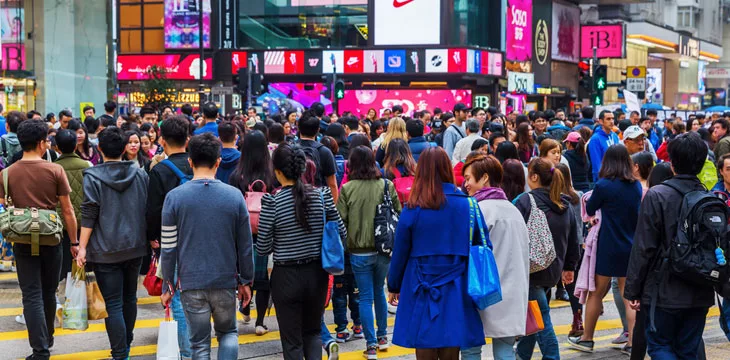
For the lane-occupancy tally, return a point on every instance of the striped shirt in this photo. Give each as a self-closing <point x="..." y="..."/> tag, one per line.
<point x="279" y="231"/>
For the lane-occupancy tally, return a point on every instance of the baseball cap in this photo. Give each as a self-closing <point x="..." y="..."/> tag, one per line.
<point x="633" y="132"/>
<point x="494" y="127"/>
<point x="250" y="122"/>
<point x="573" y="137"/>
<point x="461" y="107"/>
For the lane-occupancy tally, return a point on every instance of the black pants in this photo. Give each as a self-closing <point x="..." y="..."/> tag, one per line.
<point x="38" y="279"/>
<point x="262" y="304"/>
<point x="66" y="255"/>
<point x="299" y="292"/>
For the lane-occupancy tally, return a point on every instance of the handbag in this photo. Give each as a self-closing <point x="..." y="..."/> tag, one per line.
<point x="333" y="253"/>
<point x="534" y="319"/>
<point x="167" y="346"/>
<point x="31" y="226"/>
<point x="542" y="247"/>
<point x="94" y="300"/>
<point x="385" y="222"/>
<point x="253" y="203"/>
<point x="483" y="276"/>
<point x="75" y="308"/>
<point x="151" y="282"/>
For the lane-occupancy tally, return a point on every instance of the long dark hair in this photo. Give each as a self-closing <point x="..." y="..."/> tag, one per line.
<point x="505" y="151"/>
<point x="291" y="161"/>
<point x="513" y="178"/>
<point x="645" y="162"/>
<point x="360" y="139"/>
<point x="142" y="157"/>
<point x="74" y="125"/>
<point x="254" y="164"/>
<point x="435" y="170"/>
<point x="399" y="153"/>
<point x="524" y="140"/>
<point x="568" y="184"/>
<point x="617" y="164"/>
<point x="361" y="164"/>
<point x="337" y="131"/>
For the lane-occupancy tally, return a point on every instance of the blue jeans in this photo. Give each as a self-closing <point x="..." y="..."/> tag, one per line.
<point x="502" y="349"/>
<point x="370" y="271"/>
<point x="183" y="336"/>
<point x="118" y="286"/>
<point x="678" y="335"/>
<point x="199" y="305"/>
<point x="546" y="338"/>
<point x="345" y="294"/>
<point x="325" y="334"/>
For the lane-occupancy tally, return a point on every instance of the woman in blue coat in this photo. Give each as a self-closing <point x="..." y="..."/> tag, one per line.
<point x="428" y="270"/>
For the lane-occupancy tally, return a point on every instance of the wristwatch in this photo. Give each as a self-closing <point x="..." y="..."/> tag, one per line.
<point x="75" y="244"/>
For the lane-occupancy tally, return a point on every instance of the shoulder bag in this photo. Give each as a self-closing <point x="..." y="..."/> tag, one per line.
<point x="483" y="277"/>
<point x="333" y="253"/>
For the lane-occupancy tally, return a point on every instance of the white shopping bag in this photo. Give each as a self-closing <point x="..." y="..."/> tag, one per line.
<point x="75" y="308"/>
<point x="167" y="348"/>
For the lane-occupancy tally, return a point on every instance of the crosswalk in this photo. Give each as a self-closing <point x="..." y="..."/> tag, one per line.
<point x="93" y="343"/>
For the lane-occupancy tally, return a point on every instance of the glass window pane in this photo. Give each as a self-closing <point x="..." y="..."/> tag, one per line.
<point x="130" y="16"/>
<point x="130" y="41"/>
<point x="154" y="15"/>
<point x="154" y="41"/>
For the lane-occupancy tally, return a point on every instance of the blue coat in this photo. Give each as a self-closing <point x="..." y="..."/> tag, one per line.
<point x="428" y="269"/>
<point x="418" y="145"/>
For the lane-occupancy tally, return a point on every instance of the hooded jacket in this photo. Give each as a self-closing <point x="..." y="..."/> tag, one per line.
<point x="597" y="146"/>
<point x="562" y="223"/>
<point x="229" y="160"/>
<point x="115" y="195"/>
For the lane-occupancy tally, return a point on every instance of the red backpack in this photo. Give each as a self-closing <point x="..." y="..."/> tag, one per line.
<point x="402" y="185"/>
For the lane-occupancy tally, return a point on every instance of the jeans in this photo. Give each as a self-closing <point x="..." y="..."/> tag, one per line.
<point x="199" y="306"/>
<point x="678" y="333"/>
<point x="345" y="294"/>
<point x="502" y="349"/>
<point x="618" y="299"/>
<point x="183" y="335"/>
<point x="546" y="338"/>
<point x="38" y="279"/>
<point x="118" y="285"/>
<point x="370" y="274"/>
<point x="299" y="292"/>
<point x="325" y="334"/>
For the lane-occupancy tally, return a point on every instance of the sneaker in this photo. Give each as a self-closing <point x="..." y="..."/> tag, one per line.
<point x="561" y="294"/>
<point x="626" y="350"/>
<point x="393" y="306"/>
<point x="261" y="330"/>
<point x="621" y="339"/>
<point x="357" y="332"/>
<point x="383" y="343"/>
<point x="20" y="319"/>
<point x="581" y="345"/>
<point x="343" y="336"/>
<point x="333" y="350"/>
<point x="371" y="353"/>
<point x="576" y="329"/>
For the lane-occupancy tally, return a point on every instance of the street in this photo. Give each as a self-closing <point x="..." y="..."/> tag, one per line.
<point x="93" y="343"/>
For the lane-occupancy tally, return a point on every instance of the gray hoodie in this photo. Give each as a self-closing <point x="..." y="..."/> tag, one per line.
<point x="115" y="199"/>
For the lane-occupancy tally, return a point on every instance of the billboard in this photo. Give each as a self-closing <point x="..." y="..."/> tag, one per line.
<point x="182" y="24"/>
<point x="11" y="25"/>
<point x="608" y="39"/>
<point x="359" y="101"/>
<point x="13" y="56"/>
<point x="407" y="22"/>
<point x="238" y="61"/>
<point x="519" y="30"/>
<point x="542" y="17"/>
<point x="179" y="66"/>
<point x="566" y="33"/>
<point x="327" y="2"/>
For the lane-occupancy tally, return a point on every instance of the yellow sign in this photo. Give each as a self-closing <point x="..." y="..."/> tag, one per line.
<point x="363" y="30"/>
<point x="81" y="108"/>
<point x="633" y="72"/>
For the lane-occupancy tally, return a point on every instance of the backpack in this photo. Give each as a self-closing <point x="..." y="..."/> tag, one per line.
<point x="253" y="203"/>
<point x="180" y="175"/>
<point x="312" y="153"/>
<point x="542" y="247"/>
<point x="402" y="185"/>
<point x="8" y="151"/>
<point x="385" y="222"/>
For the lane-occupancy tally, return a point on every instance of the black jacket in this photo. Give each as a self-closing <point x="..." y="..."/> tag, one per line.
<point x="656" y="227"/>
<point x="581" y="172"/>
<point x="162" y="181"/>
<point x="563" y="228"/>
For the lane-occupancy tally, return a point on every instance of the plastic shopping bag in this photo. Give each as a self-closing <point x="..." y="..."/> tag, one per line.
<point x="483" y="276"/>
<point x="96" y="304"/>
<point x="75" y="308"/>
<point x="167" y="347"/>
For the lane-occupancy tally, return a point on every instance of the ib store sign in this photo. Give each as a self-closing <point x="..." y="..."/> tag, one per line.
<point x="607" y="39"/>
<point x="519" y="30"/>
<point x="407" y="22"/>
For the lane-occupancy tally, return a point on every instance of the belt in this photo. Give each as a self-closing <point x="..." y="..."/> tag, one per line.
<point x="296" y="262"/>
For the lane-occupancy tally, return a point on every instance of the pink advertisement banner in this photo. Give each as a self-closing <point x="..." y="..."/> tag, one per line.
<point x="607" y="39"/>
<point x="519" y="30"/>
<point x="13" y="57"/>
<point x="182" y="24"/>
<point x="359" y="101"/>
<point x="179" y="67"/>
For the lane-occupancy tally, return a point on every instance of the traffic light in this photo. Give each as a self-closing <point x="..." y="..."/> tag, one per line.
<point x="600" y="79"/>
<point x="240" y="80"/>
<point x="584" y="77"/>
<point x="339" y="89"/>
<point x="329" y="80"/>
<point x="257" y="87"/>
<point x="597" y="98"/>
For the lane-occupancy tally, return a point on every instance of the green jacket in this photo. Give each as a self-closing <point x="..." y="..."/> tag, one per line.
<point x="74" y="167"/>
<point x="357" y="204"/>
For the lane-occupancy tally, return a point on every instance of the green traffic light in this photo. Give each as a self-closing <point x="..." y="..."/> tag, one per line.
<point x="601" y="84"/>
<point x="340" y="94"/>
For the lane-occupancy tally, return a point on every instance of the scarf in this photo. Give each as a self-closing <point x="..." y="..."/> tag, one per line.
<point x="490" y="193"/>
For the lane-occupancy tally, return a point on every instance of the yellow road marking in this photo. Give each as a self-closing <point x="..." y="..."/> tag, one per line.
<point x="14" y="311"/>
<point x="8" y="276"/>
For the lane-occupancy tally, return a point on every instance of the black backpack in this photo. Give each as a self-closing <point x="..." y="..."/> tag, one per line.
<point x="385" y="222"/>
<point x="312" y="153"/>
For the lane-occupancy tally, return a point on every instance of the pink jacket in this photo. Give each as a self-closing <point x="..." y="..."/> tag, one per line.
<point x="586" y="280"/>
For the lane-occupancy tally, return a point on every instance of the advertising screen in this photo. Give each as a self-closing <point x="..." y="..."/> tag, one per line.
<point x="519" y="30"/>
<point x="359" y="101"/>
<point x="407" y="22"/>
<point x="179" y="66"/>
<point x="327" y="2"/>
<point x="182" y="24"/>
<point x="566" y="33"/>
<point x="11" y="24"/>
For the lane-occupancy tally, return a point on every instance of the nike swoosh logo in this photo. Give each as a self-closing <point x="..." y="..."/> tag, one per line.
<point x="399" y="3"/>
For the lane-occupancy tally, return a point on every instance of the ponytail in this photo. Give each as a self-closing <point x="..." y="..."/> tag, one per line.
<point x="556" y="188"/>
<point x="300" y="193"/>
<point x="550" y="178"/>
<point x="580" y="148"/>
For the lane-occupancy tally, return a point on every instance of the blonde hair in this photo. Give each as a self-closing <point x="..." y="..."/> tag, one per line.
<point x="396" y="130"/>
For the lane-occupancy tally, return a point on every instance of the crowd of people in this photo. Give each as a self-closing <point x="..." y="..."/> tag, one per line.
<point x="259" y="193"/>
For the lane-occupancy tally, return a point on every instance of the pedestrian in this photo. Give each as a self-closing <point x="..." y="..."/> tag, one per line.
<point x="551" y="150"/>
<point x="133" y="151"/>
<point x="340" y="161"/>
<point x="210" y="115"/>
<point x="228" y="134"/>
<point x="456" y="130"/>
<point x="205" y="225"/>
<point x="580" y="166"/>
<point x="513" y="183"/>
<point x="504" y="321"/>
<point x="463" y="146"/>
<point x="416" y="141"/>
<point x="603" y="137"/>
<point x="398" y="161"/>
<point x="430" y="258"/>
<point x="527" y="149"/>
<point x="254" y="172"/>
<point x="357" y="205"/>
<point x="153" y="131"/>
<point x="84" y="149"/>
<point x="37" y="183"/>
<point x="547" y="187"/>
<point x="618" y="195"/>
<point x="396" y="130"/>
<point x="10" y="142"/>
<point x="324" y="160"/>
<point x="337" y="132"/>
<point x="643" y="164"/>
<point x="114" y="249"/>
<point x="678" y="303"/>
<point x="294" y="235"/>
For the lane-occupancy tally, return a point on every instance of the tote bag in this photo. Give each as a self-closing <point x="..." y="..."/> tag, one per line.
<point x="333" y="252"/>
<point x="483" y="276"/>
<point x="75" y="309"/>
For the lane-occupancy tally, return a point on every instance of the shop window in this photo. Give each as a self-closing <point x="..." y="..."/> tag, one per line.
<point x="154" y="41"/>
<point x="130" y="41"/>
<point x="130" y="16"/>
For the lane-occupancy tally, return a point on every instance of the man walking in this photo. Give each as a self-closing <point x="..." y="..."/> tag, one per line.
<point x="205" y="213"/>
<point x="457" y="130"/>
<point x="210" y="114"/>
<point x="602" y="139"/>
<point x="115" y="242"/>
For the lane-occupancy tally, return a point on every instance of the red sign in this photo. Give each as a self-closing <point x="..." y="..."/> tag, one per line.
<point x="178" y="66"/>
<point x="13" y="56"/>
<point x="457" y="60"/>
<point x="353" y="61"/>
<point x="294" y="62"/>
<point x="238" y="61"/>
<point x="607" y="39"/>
